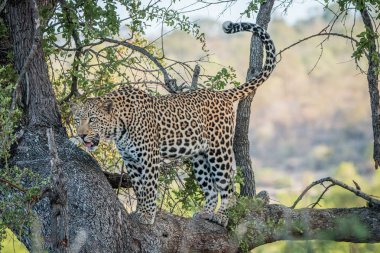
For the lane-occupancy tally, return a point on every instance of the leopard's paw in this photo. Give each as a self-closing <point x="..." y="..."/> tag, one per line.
<point x="220" y="219"/>
<point x="144" y="218"/>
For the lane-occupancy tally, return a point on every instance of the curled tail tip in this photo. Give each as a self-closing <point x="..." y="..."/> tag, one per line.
<point x="227" y="26"/>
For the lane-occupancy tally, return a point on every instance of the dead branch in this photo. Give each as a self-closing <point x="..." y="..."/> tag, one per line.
<point x="194" y="81"/>
<point x="333" y="181"/>
<point x="321" y="196"/>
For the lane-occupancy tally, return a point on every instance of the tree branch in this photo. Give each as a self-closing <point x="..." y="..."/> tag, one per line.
<point x="194" y="81"/>
<point x="170" y="84"/>
<point x="92" y="199"/>
<point x="9" y="183"/>
<point x="276" y="222"/>
<point x="78" y="51"/>
<point x="268" y="224"/>
<point x="313" y="36"/>
<point x="333" y="181"/>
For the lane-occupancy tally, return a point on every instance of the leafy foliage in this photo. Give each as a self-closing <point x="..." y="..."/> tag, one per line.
<point x="237" y="213"/>
<point x="253" y="7"/>
<point x="8" y="119"/>
<point x="221" y="78"/>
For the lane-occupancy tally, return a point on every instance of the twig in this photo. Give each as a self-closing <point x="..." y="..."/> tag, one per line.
<point x="341" y="184"/>
<point x="316" y="63"/>
<point x="321" y="196"/>
<point x="9" y="183"/>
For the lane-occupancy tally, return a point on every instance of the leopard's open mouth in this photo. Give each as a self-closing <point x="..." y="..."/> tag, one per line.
<point x="92" y="144"/>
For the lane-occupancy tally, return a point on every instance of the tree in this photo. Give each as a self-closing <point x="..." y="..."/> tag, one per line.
<point x="79" y="211"/>
<point x="241" y="143"/>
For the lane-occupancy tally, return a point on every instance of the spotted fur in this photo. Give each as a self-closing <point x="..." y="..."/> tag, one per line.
<point x="198" y="125"/>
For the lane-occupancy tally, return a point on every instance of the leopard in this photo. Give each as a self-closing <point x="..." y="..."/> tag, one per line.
<point x="197" y="125"/>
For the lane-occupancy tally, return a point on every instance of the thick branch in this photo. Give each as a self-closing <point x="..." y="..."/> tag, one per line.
<point x="94" y="208"/>
<point x="269" y="224"/>
<point x="277" y="222"/>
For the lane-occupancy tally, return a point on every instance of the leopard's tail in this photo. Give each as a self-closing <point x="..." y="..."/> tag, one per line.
<point x="270" y="62"/>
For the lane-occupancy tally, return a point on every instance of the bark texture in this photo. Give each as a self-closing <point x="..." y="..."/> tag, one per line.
<point x="241" y="141"/>
<point x="93" y="211"/>
<point x="373" y="77"/>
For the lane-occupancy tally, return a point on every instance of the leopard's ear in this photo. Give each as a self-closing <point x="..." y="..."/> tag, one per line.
<point x="107" y="105"/>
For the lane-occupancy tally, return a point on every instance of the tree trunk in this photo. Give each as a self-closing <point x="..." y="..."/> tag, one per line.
<point x="96" y="219"/>
<point x="241" y="141"/>
<point x="38" y="100"/>
<point x="373" y="77"/>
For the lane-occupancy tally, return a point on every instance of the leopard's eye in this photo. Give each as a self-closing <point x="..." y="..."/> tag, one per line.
<point x="76" y="121"/>
<point x="92" y="119"/>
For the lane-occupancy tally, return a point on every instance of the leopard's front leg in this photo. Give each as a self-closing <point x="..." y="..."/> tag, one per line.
<point x="144" y="178"/>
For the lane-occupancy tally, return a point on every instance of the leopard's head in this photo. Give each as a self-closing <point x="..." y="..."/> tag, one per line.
<point x="93" y="120"/>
